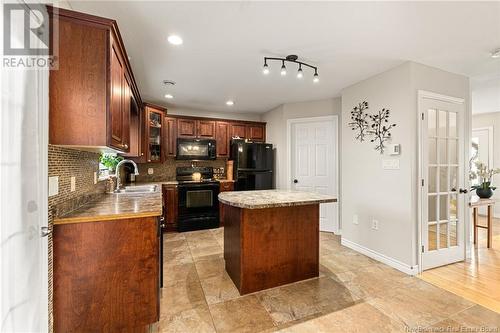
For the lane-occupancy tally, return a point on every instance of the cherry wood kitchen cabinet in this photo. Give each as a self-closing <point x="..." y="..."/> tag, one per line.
<point x="186" y="128"/>
<point x="106" y="275"/>
<point x="223" y="138"/>
<point x="170" y="202"/>
<point x="154" y="133"/>
<point x="90" y="92"/>
<point x="195" y="128"/>
<point x="238" y="130"/>
<point x="169" y="136"/>
<point x="256" y="132"/>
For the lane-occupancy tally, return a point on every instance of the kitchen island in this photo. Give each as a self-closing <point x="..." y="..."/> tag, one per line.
<point x="271" y="237"/>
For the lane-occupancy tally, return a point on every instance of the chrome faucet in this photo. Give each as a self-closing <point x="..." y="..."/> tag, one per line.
<point x="118" y="180"/>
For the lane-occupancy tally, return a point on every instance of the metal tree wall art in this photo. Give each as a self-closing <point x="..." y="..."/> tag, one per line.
<point x="380" y="129"/>
<point x="359" y="122"/>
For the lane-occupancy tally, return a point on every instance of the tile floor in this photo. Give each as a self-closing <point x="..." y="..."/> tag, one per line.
<point x="352" y="294"/>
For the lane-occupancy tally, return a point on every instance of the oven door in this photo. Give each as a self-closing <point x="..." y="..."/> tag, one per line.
<point x="198" y="199"/>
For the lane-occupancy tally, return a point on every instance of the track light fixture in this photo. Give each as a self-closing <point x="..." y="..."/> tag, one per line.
<point x="291" y="58"/>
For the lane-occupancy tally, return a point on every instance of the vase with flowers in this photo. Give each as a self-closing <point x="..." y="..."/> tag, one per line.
<point x="484" y="175"/>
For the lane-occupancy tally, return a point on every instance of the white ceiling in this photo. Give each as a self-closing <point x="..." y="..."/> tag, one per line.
<point x="225" y="42"/>
<point x="486" y="93"/>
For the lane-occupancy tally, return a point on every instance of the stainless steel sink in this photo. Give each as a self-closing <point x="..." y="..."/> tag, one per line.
<point x="139" y="189"/>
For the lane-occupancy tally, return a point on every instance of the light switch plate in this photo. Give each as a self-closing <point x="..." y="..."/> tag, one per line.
<point x="374" y="224"/>
<point x="53" y="186"/>
<point x="390" y="164"/>
<point x="150" y="171"/>
<point x="73" y="183"/>
<point x="355" y="219"/>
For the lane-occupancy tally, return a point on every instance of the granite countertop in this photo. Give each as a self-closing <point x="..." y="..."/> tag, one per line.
<point x="272" y="198"/>
<point x="116" y="206"/>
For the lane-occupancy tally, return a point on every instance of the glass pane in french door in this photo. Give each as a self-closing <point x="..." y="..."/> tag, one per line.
<point x="442" y="178"/>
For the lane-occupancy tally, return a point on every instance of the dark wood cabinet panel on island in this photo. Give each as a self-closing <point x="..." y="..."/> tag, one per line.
<point x="224" y="186"/>
<point x="90" y="92"/>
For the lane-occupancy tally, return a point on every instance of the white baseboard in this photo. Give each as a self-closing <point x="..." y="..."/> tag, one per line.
<point x="410" y="270"/>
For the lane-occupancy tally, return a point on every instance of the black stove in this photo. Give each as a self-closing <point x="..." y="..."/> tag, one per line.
<point x="198" y="198"/>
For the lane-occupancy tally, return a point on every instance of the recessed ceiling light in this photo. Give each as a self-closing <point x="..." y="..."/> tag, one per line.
<point x="169" y="96"/>
<point x="174" y="40"/>
<point x="495" y="54"/>
<point x="230" y="103"/>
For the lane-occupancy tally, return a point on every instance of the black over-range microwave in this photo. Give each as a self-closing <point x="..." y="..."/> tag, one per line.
<point x="196" y="149"/>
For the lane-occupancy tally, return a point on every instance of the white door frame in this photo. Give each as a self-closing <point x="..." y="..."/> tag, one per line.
<point x="289" y="123"/>
<point x="423" y="94"/>
<point x="491" y="143"/>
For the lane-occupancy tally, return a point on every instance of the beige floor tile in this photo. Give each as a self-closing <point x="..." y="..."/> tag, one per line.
<point x="304" y="299"/>
<point x="478" y="317"/>
<point x="195" y="319"/>
<point x="182" y="272"/>
<point x="210" y="267"/>
<point x="370" y="280"/>
<point x="177" y="258"/>
<point x="204" y="253"/>
<point x="173" y="236"/>
<point x="219" y="288"/>
<point x="347" y="260"/>
<point x="357" y="318"/>
<point x="241" y="315"/>
<point x="419" y="304"/>
<point x="179" y="296"/>
<point x="175" y="246"/>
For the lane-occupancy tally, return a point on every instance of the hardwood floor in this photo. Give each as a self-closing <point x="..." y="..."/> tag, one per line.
<point x="478" y="278"/>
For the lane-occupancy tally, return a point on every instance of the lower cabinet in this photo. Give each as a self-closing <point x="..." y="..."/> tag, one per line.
<point x="106" y="275"/>
<point x="224" y="187"/>
<point x="170" y="202"/>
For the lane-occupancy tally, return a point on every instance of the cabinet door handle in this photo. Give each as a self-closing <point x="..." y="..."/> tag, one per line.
<point x="125" y="146"/>
<point x="295" y="181"/>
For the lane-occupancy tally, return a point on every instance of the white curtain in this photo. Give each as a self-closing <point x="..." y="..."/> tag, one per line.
<point x="23" y="200"/>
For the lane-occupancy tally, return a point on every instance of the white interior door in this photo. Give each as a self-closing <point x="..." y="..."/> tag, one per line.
<point x="313" y="148"/>
<point x="443" y="199"/>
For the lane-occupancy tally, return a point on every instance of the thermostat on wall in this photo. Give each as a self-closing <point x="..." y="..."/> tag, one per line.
<point x="394" y="149"/>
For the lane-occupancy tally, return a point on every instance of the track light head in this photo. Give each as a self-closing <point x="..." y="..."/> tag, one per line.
<point x="265" y="69"/>
<point x="283" y="69"/>
<point x="300" y="74"/>
<point x="316" y="77"/>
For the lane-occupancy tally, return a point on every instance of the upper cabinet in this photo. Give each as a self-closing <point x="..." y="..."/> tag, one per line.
<point x="238" y="130"/>
<point x="155" y="131"/>
<point x="195" y="128"/>
<point x="256" y="132"/>
<point x="223" y="138"/>
<point x="93" y="90"/>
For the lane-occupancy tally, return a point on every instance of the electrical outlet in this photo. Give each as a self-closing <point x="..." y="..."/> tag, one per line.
<point x="73" y="183"/>
<point x="374" y="224"/>
<point x="151" y="171"/>
<point x="95" y="177"/>
<point x="355" y="219"/>
<point x="53" y="185"/>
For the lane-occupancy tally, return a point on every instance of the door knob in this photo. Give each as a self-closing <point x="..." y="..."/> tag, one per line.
<point x="295" y="181"/>
<point x="463" y="190"/>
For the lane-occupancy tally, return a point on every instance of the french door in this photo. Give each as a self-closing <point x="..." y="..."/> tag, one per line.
<point x="443" y="194"/>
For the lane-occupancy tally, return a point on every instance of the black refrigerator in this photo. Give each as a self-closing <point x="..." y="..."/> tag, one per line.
<point x="253" y="165"/>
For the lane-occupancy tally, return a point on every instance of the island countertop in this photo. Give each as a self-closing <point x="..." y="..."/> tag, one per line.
<point x="272" y="198"/>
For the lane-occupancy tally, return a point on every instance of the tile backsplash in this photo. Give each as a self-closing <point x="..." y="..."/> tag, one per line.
<point x="166" y="171"/>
